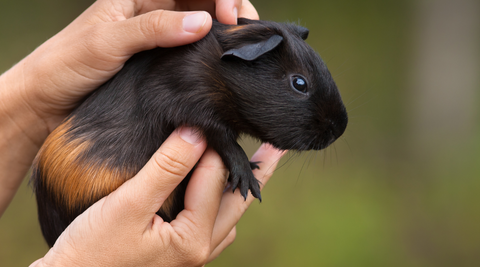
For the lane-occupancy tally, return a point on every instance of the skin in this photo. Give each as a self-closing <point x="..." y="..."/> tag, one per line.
<point x="122" y="229"/>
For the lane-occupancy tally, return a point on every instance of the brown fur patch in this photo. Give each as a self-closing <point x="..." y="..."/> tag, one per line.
<point x="235" y="28"/>
<point x="74" y="183"/>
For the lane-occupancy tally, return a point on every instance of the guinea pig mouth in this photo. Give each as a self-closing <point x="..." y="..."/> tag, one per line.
<point x="317" y="142"/>
<point x="311" y="139"/>
<point x="334" y="130"/>
<point x="322" y="143"/>
<point x="328" y="142"/>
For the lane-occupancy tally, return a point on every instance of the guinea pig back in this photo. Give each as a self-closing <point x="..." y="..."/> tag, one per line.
<point x="259" y="78"/>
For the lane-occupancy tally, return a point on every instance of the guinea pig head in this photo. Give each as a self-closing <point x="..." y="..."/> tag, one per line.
<point x="287" y="96"/>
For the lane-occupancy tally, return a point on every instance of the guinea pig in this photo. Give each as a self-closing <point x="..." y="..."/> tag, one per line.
<point x="258" y="78"/>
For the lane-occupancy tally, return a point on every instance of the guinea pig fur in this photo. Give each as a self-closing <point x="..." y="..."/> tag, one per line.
<point x="258" y="78"/>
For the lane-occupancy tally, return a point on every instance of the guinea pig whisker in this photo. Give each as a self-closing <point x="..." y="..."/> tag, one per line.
<point x="324" y="158"/>
<point x="335" y="152"/>
<point x="269" y="168"/>
<point x="288" y="157"/>
<point x="348" y="145"/>
<point x="350" y="102"/>
<point x="313" y="156"/>
<point x="300" y="172"/>
<point x="326" y="49"/>
<point x="308" y="158"/>
<point x="343" y="71"/>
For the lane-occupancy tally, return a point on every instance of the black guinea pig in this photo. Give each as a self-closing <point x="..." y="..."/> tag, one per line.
<point x="258" y="78"/>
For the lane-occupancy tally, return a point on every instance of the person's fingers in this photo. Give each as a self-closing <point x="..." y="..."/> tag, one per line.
<point x="160" y="28"/>
<point x="248" y="11"/>
<point x="223" y="245"/>
<point x="202" y="197"/>
<point x="35" y="263"/>
<point x="145" y="6"/>
<point x="227" y="11"/>
<point x="114" y="10"/>
<point x="233" y="205"/>
<point x="143" y="195"/>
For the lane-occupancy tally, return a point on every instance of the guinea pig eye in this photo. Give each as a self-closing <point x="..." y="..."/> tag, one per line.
<point x="299" y="83"/>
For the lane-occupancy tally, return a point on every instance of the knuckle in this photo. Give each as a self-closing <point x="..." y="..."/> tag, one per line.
<point x="201" y="254"/>
<point x="99" y="48"/>
<point x="194" y="254"/>
<point x="170" y="162"/>
<point x="231" y="236"/>
<point x="215" y="165"/>
<point x="151" y="24"/>
<point x="94" y="38"/>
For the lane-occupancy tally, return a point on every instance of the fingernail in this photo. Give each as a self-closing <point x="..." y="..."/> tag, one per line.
<point x="189" y="135"/>
<point x="235" y="12"/>
<point x="194" y="22"/>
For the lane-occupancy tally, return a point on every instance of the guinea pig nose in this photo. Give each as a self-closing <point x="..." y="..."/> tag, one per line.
<point x="338" y="126"/>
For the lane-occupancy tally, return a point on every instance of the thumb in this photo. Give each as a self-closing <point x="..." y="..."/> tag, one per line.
<point x="159" y="28"/>
<point x="143" y="195"/>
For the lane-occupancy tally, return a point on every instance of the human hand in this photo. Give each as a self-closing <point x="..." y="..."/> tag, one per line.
<point x="122" y="228"/>
<point x="89" y="51"/>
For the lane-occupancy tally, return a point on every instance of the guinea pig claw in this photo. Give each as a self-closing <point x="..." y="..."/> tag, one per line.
<point x="246" y="183"/>
<point x="259" y="196"/>
<point x="254" y="165"/>
<point x="234" y="184"/>
<point x="253" y="184"/>
<point x="244" y="191"/>
<point x="255" y="189"/>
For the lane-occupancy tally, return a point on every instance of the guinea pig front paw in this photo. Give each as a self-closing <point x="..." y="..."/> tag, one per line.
<point x="240" y="167"/>
<point x="245" y="182"/>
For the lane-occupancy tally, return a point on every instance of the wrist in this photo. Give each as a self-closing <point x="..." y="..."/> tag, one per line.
<point x="21" y="134"/>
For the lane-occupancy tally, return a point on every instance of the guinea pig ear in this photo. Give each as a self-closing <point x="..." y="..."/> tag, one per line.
<point x="253" y="51"/>
<point x="302" y="32"/>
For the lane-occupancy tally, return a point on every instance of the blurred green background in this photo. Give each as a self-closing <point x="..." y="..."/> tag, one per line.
<point x="400" y="188"/>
